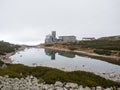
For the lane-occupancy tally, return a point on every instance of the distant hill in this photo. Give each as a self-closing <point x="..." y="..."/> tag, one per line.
<point x="110" y="38"/>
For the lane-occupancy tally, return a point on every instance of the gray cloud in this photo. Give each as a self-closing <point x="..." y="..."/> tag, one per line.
<point x="23" y="21"/>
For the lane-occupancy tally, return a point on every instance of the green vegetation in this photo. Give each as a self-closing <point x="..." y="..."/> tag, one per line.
<point x="110" y="38"/>
<point x="48" y="45"/>
<point x="97" y="44"/>
<point x="72" y="48"/>
<point x="6" y="47"/>
<point x="50" y="75"/>
<point x="109" y="47"/>
<point x="102" y="52"/>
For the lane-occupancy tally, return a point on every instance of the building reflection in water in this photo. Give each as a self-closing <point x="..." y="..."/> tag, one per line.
<point x="52" y="53"/>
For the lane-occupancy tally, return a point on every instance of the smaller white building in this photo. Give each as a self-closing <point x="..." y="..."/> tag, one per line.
<point x="88" y="38"/>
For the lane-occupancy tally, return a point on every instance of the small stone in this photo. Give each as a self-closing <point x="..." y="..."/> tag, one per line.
<point x="31" y="77"/>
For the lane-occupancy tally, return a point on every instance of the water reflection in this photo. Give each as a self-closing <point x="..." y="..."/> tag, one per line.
<point x="65" y="61"/>
<point x="52" y="54"/>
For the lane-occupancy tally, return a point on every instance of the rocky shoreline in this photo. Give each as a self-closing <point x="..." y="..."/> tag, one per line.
<point x="6" y="58"/>
<point x="31" y="83"/>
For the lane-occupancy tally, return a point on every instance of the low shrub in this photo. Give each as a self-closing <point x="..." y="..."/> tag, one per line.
<point x="72" y="48"/>
<point x="102" y="52"/>
<point x="48" y="45"/>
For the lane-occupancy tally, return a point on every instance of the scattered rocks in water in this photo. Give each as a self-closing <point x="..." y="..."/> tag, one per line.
<point x="31" y="83"/>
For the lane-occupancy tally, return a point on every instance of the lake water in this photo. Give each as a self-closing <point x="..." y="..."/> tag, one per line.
<point x="62" y="60"/>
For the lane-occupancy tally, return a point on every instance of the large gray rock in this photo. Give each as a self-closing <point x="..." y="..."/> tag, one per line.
<point x="98" y="88"/>
<point x="93" y="88"/>
<point x="87" y="88"/>
<point x="59" y="88"/>
<point x="71" y="85"/>
<point x="58" y="84"/>
<point x="108" y="89"/>
<point x="46" y="87"/>
<point x="118" y="88"/>
<point x="80" y="87"/>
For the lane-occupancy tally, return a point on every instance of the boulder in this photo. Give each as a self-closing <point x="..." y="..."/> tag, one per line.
<point x="98" y="88"/>
<point x="71" y="85"/>
<point x="58" y="84"/>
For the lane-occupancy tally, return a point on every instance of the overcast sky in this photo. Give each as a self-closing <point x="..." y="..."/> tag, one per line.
<point x="29" y="21"/>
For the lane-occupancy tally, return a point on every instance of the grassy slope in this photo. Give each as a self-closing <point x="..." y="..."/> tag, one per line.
<point x="95" y="44"/>
<point x="100" y="46"/>
<point x="50" y="75"/>
<point x="6" y="47"/>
